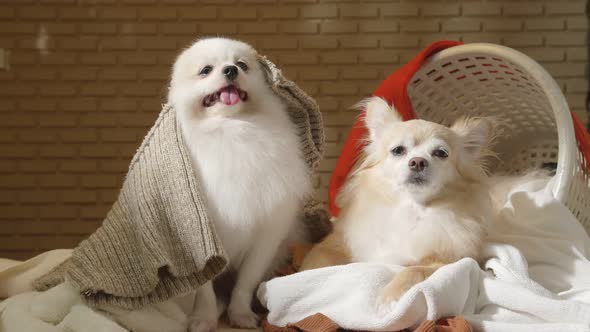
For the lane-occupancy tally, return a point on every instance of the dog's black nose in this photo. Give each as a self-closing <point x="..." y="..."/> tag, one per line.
<point x="231" y="72"/>
<point x="418" y="164"/>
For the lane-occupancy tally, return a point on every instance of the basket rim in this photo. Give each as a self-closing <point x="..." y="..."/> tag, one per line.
<point x="567" y="144"/>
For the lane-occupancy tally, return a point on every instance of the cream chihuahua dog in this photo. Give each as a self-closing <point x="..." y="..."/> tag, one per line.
<point x="247" y="154"/>
<point x="418" y="198"/>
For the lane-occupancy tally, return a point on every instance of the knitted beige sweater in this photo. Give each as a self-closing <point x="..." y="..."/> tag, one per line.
<point x="157" y="241"/>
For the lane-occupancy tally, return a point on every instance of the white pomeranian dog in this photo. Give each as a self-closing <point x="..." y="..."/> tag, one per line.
<point x="419" y="198"/>
<point x="248" y="157"/>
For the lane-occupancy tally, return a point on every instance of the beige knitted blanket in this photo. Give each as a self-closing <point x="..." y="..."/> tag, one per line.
<point x="157" y="241"/>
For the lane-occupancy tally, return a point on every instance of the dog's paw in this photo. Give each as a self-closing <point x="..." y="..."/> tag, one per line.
<point x="243" y="318"/>
<point x="203" y="326"/>
<point x="400" y="284"/>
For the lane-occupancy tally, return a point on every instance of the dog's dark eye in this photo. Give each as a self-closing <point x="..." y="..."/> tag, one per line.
<point x="205" y="71"/>
<point x="398" y="150"/>
<point x="440" y="153"/>
<point x="242" y="65"/>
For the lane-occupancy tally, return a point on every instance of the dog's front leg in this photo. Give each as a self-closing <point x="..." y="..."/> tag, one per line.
<point x="253" y="269"/>
<point x="204" y="316"/>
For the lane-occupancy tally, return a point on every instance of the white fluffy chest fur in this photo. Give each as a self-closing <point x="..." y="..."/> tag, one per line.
<point x="251" y="168"/>
<point x="405" y="232"/>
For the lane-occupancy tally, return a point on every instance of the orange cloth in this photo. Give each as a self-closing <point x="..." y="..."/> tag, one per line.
<point x="321" y="323"/>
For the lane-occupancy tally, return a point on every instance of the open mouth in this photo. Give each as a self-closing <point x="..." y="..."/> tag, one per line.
<point x="228" y="95"/>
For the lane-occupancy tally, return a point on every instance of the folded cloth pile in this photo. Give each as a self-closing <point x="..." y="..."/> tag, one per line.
<point x="536" y="277"/>
<point x="157" y="241"/>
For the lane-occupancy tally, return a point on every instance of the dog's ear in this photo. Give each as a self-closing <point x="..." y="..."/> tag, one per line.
<point x="378" y="114"/>
<point x="476" y="135"/>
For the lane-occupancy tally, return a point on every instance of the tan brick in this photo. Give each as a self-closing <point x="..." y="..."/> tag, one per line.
<point x="299" y="59"/>
<point x="339" y="88"/>
<point x="359" y="41"/>
<point x="319" y="42"/>
<point x="37" y="13"/>
<point x="340" y="57"/>
<point x="37" y="197"/>
<point x="481" y="9"/>
<point x="577" y="24"/>
<point x="37" y="136"/>
<point x="379" y="26"/>
<point x="38" y="167"/>
<point x="218" y="28"/>
<point x="399" y="10"/>
<point x="7" y="12"/>
<point x="446" y="9"/>
<point x="299" y="27"/>
<point x="55" y="28"/>
<point x="338" y="27"/>
<point x="119" y="74"/>
<point x="16" y="90"/>
<point x="420" y="26"/>
<point x="502" y="25"/>
<point x="544" y="24"/>
<point x="118" y="135"/>
<point x="58" y="90"/>
<point x="241" y="13"/>
<point x="565" y="8"/>
<point x="545" y="54"/>
<point x="199" y="12"/>
<point x="461" y="25"/>
<point x="37" y="74"/>
<point x="155" y="74"/>
<point x="522" y="40"/>
<point x="328" y="104"/>
<point x="57" y="181"/>
<point x="22" y="58"/>
<point x="379" y="56"/>
<point x="78" y="44"/>
<point x="98" y="151"/>
<point x="94" y="212"/>
<point x="98" y="59"/>
<point x="144" y="89"/>
<point x="118" y="105"/>
<point x="279" y="12"/>
<point x="360" y="10"/>
<point x="82" y="14"/>
<point x="78" y="135"/>
<point x="38" y="105"/>
<point x="577" y="54"/>
<point x="158" y="14"/>
<point x="98" y="28"/>
<point x="118" y="13"/>
<point x="57" y="212"/>
<point x="138" y="29"/>
<point x="565" y="69"/>
<point x="78" y="166"/>
<point x="100" y="181"/>
<point x="522" y="9"/>
<point x="58" y="151"/>
<point x="325" y="73"/>
<point x="348" y="73"/>
<point x="407" y="41"/>
<point x="118" y="43"/>
<point x="57" y="121"/>
<point x="430" y="38"/>
<point x="258" y="28"/>
<point x="577" y="85"/>
<point x="61" y="58"/>
<point x="178" y="28"/>
<point x="279" y="43"/>
<point x="81" y="228"/>
<point x="80" y="104"/>
<point x="566" y="39"/>
<point x="494" y="38"/>
<point x="114" y="166"/>
<point x="15" y="181"/>
<point x="320" y="11"/>
<point x="78" y="197"/>
<point x="18" y="28"/>
<point x="138" y="59"/>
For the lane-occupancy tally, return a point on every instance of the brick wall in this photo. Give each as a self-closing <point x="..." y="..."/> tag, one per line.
<point x="86" y="79"/>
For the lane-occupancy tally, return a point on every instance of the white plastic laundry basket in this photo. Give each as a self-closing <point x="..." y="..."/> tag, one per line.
<point x="487" y="79"/>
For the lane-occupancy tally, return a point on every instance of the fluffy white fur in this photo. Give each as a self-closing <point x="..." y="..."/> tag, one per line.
<point x="394" y="215"/>
<point x="248" y="158"/>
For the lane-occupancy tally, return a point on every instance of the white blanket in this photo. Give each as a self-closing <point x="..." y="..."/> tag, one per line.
<point x="536" y="278"/>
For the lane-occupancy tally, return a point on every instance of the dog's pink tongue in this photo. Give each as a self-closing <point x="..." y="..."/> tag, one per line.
<point x="229" y="95"/>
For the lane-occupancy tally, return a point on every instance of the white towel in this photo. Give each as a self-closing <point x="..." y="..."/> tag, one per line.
<point x="536" y="278"/>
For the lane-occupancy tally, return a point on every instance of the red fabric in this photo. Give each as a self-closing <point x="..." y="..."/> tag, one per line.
<point x="392" y="89"/>
<point x="583" y="138"/>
